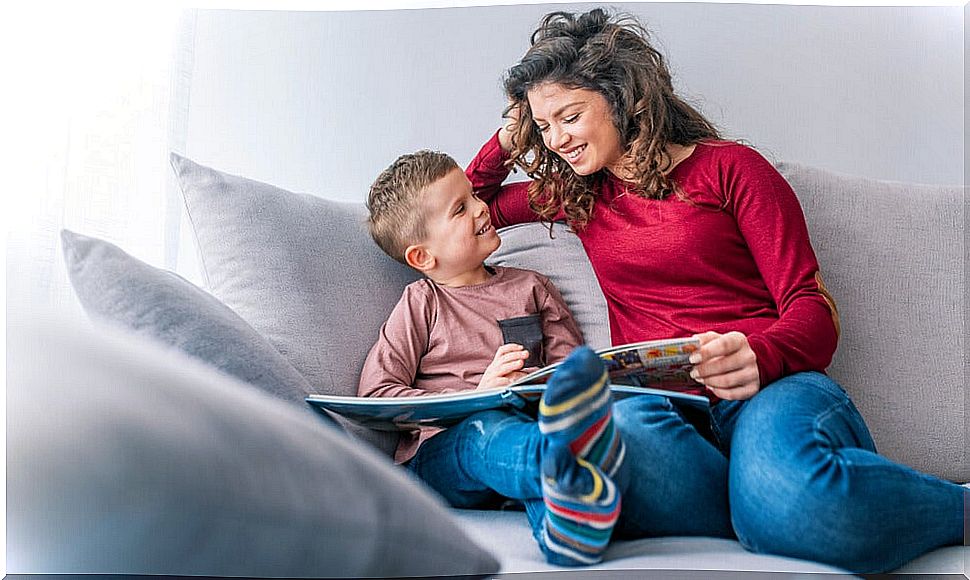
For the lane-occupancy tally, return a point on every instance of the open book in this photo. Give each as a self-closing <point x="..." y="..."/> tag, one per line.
<point x="658" y="367"/>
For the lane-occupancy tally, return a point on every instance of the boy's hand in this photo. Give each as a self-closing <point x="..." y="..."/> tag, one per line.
<point x="506" y="367"/>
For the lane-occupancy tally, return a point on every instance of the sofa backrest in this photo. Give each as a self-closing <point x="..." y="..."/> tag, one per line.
<point x="304" y="272"/>
<point x="892" y="254"/>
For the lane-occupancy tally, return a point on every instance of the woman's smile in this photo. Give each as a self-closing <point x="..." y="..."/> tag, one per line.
<point x="577" y="125"/>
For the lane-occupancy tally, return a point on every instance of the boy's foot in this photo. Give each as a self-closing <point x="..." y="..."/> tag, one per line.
<point x="576" y="411"/>
<point x="582" y="506"/>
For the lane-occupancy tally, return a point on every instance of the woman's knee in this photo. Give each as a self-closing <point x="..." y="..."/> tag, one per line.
<point x="787" y="415"/>
<point x="787" y="477"/>
<point x="635" y="413"/>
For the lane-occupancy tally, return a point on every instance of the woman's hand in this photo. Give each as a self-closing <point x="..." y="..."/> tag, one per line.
<point x="726" y="364"/>
<point x="506" y="367"/>
<point x="505" y="134"/>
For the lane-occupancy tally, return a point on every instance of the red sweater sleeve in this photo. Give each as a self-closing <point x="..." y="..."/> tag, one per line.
<point x="772" y="223"/>
<point x="508" y="204"/>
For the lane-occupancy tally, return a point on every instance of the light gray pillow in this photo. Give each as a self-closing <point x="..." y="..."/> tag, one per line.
<point x="125" y="457"/>
<point x="563" y="260"/>
<point x="892" y="255"/>
<point x="302" y="270"/>
<point x="112" y="285"/>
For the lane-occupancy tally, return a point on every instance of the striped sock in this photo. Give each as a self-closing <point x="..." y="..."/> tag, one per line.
<point x="582" y="506"/>
<point x="577" y="411"/>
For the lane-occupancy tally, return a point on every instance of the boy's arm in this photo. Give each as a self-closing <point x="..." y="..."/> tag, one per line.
<point x="559" y="328"/>
<point x="393" y="362"/>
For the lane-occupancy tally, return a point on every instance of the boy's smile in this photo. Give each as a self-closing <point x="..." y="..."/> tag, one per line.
<point x="459" y="229"/>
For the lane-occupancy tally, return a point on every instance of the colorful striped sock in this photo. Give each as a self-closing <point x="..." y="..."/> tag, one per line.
<point x="577" y="411"/>
<point x="582" y="506"/>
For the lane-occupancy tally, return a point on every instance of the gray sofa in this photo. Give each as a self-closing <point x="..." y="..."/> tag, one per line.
<point x="171" y="436"/>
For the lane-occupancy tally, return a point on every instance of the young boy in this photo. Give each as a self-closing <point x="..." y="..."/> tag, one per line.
<point x="446" y="335"/>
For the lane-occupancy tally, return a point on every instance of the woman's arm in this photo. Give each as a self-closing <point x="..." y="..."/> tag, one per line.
<point x="805" y="335"/>
<point x="508" y="204"/>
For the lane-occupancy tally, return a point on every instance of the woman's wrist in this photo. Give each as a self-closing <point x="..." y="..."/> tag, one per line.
<point x="505" y="139"/>
<point x="507" y="131"/>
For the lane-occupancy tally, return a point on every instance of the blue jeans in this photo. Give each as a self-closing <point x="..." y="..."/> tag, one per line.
<point x="489" y="455"/>
<point x="796" y="465"/>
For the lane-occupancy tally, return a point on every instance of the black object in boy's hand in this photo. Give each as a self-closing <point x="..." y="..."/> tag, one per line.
<point x="525" y="331"/>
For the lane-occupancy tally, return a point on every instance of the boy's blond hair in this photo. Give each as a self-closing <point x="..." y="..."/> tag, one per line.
<point x="396" y="218"/>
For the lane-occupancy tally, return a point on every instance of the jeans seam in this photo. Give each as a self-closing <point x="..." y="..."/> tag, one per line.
<point x="846" y="404"/>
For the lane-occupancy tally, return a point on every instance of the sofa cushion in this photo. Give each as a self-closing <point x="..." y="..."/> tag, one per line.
<point x="563" y="259"/>
<point x="302" y="270"/>
<point x="114" y="286"/>
<point x="508" y="534"/>
<point x="126" y="457"/>
<point x="892" y="255"/>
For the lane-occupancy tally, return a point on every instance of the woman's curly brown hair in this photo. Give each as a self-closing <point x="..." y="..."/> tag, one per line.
<point x="612" y="56"/>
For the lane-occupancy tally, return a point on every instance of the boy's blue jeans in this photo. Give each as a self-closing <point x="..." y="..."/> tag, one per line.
<point x="795" y="463"/>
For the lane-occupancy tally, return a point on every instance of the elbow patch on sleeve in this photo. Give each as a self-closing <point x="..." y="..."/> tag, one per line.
<point x="831" y="303"/>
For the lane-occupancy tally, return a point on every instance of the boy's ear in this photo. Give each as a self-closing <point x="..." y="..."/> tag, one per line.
<point x="418" y="257"/>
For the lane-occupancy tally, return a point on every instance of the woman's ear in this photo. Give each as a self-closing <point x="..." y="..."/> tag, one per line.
<point x="419" y="258"/>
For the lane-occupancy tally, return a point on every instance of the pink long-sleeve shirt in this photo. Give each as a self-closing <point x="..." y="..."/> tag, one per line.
<point x="736" y="258"/>
<point x="440" y="339"/>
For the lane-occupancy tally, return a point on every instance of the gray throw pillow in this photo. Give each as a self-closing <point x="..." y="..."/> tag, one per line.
<point x="114" y="286"/>
<point x="563" y="260"/>
<point x="302" y="270"/>
<point x="125" y="457"/>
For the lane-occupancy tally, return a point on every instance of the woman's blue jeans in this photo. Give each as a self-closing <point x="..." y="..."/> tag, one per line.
<point x="795" y="463"/>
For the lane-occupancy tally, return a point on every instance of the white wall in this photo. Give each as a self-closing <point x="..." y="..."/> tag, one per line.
<point x="322" y="101"/>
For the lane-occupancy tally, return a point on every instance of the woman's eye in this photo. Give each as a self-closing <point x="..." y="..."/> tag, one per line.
<point x="571" y="118"/>
<point x="542" y="129"/>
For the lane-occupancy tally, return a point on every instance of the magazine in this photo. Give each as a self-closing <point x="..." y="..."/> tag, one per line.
<point x="658" y="367"/>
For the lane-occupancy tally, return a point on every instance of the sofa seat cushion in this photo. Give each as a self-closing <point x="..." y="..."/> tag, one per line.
<point x="508" y="534"/>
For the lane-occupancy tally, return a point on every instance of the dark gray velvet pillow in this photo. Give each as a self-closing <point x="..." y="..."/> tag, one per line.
<point x="114" y="286"/>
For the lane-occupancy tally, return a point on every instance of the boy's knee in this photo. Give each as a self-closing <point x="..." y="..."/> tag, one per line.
<point x="480" y="431"/>
<point x="480" y="425"/>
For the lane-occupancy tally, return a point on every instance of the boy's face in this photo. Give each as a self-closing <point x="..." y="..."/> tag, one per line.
<point x="460" y="233"/>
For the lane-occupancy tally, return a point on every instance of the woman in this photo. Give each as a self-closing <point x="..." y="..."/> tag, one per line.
<point x="692" y="235"/>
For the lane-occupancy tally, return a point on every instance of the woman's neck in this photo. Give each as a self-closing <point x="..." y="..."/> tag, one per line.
<point x="674" y="153"/>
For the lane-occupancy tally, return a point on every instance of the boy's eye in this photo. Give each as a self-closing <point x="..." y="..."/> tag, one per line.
<point x="460" y="208"/>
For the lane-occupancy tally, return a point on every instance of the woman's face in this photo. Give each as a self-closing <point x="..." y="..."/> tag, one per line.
<point x="577" y="125"/>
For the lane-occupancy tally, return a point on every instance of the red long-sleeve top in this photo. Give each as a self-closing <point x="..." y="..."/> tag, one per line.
<point x="735" y="257"/>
